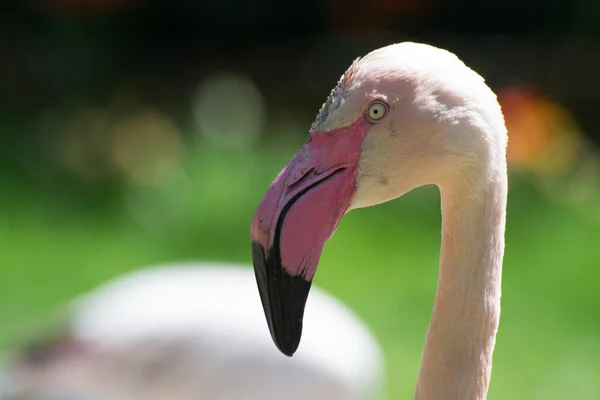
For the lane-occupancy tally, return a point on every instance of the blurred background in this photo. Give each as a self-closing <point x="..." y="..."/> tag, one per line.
<point x="135" y="132"/>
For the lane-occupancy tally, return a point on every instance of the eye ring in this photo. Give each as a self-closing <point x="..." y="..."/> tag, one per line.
<point x="376" y="111"/>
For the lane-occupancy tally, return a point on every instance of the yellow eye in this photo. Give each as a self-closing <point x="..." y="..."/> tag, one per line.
<point x="377" y="111"/>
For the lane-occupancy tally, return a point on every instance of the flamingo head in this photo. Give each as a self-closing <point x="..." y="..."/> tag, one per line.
<point x="404" y="116"/>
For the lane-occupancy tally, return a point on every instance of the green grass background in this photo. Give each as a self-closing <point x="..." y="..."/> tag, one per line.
<point x="382" y="262"/>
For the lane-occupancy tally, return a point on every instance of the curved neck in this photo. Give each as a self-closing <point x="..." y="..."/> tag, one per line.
<point x="457" y="358"/>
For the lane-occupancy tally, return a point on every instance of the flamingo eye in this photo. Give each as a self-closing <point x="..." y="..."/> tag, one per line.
<point x="377" y="111"/>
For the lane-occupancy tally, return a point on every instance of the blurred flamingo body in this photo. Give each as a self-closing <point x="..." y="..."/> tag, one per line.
<point x="192" y="331"/>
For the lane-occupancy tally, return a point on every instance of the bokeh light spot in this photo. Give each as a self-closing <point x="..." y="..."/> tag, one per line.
<point x="543" y="135"/>
<point x="82" y="148"/>
<point x="229" y="110"/>
<point x="147" y="148"/>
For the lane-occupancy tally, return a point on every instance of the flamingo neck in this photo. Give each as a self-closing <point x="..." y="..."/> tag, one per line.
<point x="457" y="358"/>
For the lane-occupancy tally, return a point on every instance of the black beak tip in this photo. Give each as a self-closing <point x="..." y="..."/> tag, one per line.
<point x="283" y="298"/>
<point x="287" y="347"/>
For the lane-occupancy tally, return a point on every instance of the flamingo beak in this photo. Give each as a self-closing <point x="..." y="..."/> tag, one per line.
<point x="297" y="216"/>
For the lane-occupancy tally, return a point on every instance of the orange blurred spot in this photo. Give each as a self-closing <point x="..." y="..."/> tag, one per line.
<point x="542" y="134"/>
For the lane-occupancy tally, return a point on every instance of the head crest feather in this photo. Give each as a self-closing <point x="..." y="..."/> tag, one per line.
<point x="335" y="97"/>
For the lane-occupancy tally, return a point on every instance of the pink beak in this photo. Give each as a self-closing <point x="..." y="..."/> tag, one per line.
<point x="297" y="216"/>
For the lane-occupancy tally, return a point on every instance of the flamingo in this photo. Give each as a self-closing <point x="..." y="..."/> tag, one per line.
<point x="191" y="331"/>
<point x="404" y="116"/>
